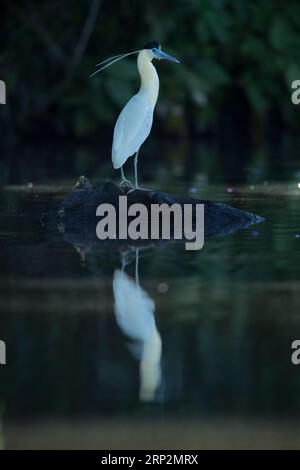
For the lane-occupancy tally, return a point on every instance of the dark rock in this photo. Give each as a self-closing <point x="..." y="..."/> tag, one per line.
<point x="76" y="217"/>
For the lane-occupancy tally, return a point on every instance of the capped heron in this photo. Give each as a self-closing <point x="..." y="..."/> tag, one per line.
<point x="135" y="315"/>
<point x="135" y="120"/>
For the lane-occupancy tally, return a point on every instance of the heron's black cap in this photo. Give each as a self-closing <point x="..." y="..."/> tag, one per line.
<point x="152" y="44"/>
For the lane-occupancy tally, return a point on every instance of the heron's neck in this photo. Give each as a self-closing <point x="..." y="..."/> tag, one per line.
<point x="149" y="77"/>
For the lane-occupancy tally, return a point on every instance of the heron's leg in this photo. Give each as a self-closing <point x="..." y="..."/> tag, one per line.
<point x="135" y="170"/>
<point x="136" y="184"/>
<point x="137" y="280"/>
<point x="127" y="257"/>
<point x="136" y="176"/>
<point x="125" y="180"/>
<point x="122" y="174"/>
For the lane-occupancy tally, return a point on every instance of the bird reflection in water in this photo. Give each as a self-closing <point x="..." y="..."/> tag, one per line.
<point x="134" y="311"/>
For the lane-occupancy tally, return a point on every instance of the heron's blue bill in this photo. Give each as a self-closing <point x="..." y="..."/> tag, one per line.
<point x="163" y="55"/>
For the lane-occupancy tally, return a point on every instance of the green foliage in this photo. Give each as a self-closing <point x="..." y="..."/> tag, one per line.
<point x="223" y="45"/>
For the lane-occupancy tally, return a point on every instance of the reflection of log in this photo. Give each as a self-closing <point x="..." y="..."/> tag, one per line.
<point x="77" y="213"/>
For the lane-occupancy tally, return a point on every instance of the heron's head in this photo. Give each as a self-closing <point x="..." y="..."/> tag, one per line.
<point x="154" y="50"/>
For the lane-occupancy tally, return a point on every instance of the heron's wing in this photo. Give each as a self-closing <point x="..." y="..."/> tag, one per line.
<point x="132" y="128"/>
<point x="133" y="307"/>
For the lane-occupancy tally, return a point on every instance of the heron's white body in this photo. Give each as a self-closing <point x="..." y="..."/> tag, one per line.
<point x="135" y="120"/>
<point x="134" y="308"/>
<point x="134" y="311"/>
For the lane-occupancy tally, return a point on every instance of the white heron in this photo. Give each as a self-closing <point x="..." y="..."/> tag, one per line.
<point x="135" y="120"/>
<point x="135" y="311"/>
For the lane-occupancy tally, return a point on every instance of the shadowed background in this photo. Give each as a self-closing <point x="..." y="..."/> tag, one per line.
<point x="226" y="111"/>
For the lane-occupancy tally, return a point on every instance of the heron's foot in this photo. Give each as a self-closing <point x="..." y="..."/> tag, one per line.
<point x="138" y="188"/>
<point x="125" y="182"/>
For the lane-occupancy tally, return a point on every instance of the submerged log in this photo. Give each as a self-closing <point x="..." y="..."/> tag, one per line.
<point x="76" y="216"/>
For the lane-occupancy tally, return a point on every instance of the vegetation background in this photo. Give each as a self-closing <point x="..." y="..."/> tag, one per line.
<point x="232" y="90"/>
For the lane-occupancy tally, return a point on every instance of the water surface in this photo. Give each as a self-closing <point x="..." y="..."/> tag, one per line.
<point x="180" y="350"/>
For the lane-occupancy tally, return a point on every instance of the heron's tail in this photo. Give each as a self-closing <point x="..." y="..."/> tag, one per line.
<point x="119" y="158"/>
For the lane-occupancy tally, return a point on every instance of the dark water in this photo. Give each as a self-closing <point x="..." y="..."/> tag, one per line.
<point x="178" y="349"/>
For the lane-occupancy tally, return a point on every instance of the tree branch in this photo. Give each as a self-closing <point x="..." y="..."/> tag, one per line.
<point x="35" y="23"/>
<point x="86" y="32"/>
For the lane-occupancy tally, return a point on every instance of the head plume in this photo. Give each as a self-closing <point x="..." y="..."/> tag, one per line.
<point x="112" y="60"/>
